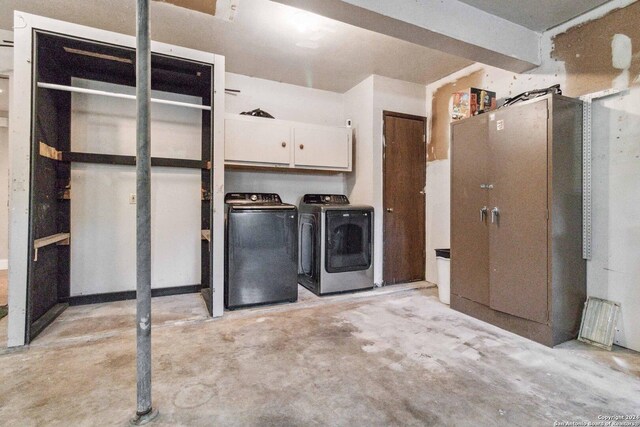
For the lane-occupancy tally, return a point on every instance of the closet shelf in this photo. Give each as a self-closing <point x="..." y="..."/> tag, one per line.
<point x="114" y="159"/>
<point x="59" y="239"/>
<point x="119" y="95"/>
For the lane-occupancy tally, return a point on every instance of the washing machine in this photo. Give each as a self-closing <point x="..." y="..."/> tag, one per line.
<point x="261" y="250"/>
<point x="336" y="244"/>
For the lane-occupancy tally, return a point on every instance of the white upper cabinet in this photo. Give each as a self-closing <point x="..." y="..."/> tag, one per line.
<point x="325" y="147"/>
<point x="263" y="141"/>
<point x="260" y="142"/>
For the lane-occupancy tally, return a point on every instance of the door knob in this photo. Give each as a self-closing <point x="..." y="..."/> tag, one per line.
<point x="302" y="146"/>
<point x="284" y="144"/>
<point x="390" y="210"/>
<point x="495" y="215"/>
<point x="483" y="213"/>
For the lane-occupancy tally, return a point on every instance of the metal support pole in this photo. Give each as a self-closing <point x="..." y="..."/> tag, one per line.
<point x="144" y="410"/>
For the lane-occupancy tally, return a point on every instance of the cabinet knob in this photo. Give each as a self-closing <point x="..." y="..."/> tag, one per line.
<point x="390" y="210"/>
<point x="284" y="144"/>
<point x="302" y="146"/>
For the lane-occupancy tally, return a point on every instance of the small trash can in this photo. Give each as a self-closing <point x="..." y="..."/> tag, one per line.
<point x="443" y="257"/>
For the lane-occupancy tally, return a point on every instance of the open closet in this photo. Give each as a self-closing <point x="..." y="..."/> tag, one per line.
<point x="82" y="176"/>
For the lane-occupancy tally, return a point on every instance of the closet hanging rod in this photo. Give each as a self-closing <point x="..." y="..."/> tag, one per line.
<point x="119" y="95"/>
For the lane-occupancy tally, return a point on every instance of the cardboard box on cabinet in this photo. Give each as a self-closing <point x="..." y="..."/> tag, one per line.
<point x="471" y="102"/>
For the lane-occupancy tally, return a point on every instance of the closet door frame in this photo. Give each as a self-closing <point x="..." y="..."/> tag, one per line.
<point x="20" y="157"/>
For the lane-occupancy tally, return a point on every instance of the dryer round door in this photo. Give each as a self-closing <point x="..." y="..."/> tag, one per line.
<point x="348" y="240"/>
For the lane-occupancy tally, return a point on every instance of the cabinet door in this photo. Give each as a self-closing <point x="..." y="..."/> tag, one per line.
<point x="518" y="236"/>
<point x="256" y="141"/>
<point x="322" y="147"/>
<point x="469" y="226"/>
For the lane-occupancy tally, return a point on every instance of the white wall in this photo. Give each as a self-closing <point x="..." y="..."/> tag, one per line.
<point x="359" y="108"/>
<point x="290" y="186"/>
<point x="438" y="212"/>
<point x="614" y="272"/>
<point x="286" y="102"/>
<point x="365" y="104"/>
<point x="4" y="194"/>
<point x="103" y="220"/>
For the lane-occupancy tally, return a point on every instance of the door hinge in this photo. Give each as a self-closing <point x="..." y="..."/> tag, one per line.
<point x="547" y="213"/>
<point x="424" y="137"/>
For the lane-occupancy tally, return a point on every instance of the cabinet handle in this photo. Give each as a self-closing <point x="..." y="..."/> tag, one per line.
<point x="302" y="146"/>
<point x="390" y="210"/>
<point x="495" y="215"/>
<point x="284" y="144"/>
<point x="483" y="213"/>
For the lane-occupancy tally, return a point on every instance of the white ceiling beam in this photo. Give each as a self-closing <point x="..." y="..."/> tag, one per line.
<point x="449" y="26"/>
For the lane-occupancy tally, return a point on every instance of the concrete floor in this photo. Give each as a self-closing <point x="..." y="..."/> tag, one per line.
<point x="392" y="356"/>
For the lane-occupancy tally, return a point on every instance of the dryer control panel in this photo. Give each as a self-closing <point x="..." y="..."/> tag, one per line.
<point x="325" y="199"/>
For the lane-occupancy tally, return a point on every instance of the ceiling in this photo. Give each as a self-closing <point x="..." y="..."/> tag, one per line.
<point x="310" y="50"/>
<point x="273" y="41"/>
<point x="266" y="40"/>
<point x="537" y="15"/>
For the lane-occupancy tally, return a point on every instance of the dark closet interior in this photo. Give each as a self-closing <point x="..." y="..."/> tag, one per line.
<point x="58" y="59"/>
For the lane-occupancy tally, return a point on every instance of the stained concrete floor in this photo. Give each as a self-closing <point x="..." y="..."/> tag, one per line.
<point x="392" y="356"/>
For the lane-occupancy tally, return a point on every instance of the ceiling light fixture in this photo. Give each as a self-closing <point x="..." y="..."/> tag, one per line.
<point x="305" y="22"/>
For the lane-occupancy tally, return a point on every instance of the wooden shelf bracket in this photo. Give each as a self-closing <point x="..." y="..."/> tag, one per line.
<point x="60" y="239"/>
<point x="49" y="152"/>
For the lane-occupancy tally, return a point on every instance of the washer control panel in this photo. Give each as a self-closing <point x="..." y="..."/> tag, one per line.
<point x="238" y="198"/>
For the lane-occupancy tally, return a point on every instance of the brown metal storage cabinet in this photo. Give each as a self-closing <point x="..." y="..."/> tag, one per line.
<point x="516" y="218"/>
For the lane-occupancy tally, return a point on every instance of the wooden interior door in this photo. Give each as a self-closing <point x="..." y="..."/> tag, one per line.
<point x="404" y="198"/>
<point x="470" y="209"/>
<point x="518" y="234"/>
